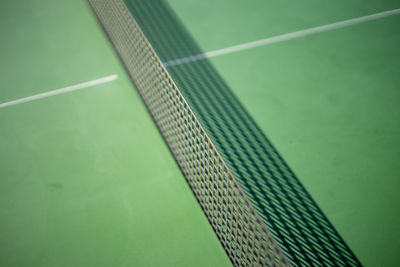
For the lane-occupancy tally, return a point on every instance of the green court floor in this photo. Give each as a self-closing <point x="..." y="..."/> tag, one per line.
<point x="85" y="177"/>
<point x="329" y="102"/>
<point x="87" y="180"/>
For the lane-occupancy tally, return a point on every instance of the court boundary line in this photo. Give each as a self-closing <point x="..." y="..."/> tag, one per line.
<point x="281" y="37"/>
<point x="60" y="91"/>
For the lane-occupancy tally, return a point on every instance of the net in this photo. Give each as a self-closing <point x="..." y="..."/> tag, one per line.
<point x="258" y="208"/>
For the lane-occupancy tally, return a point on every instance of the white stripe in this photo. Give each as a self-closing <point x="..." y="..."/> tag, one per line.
<point x="60" y="91"/>
<point x="280" y="38"/>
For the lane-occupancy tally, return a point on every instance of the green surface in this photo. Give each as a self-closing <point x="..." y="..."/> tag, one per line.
<point x="329" y="103"/>
<point x="221" y="23"/>
<point x="85" y="177"/>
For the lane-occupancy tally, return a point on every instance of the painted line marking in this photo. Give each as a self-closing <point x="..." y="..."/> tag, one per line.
<point x="280" y="38"/>
<point x="60" y="91"/>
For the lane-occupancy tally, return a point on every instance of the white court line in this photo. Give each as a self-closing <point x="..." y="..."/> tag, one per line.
<point x="60" y="91"/>
<point x="280" y="38"/>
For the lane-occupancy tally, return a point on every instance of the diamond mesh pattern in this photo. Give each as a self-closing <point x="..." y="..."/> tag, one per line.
<point x="298" y="225"/>
<point x="238" y="226"/>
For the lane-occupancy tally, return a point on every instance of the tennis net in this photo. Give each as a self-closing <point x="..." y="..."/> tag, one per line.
<point x="258" y="208"/>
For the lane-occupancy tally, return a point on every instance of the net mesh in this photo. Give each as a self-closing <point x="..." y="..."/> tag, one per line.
<point x="241" y="231"/>
<point x="259" y="209"/>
